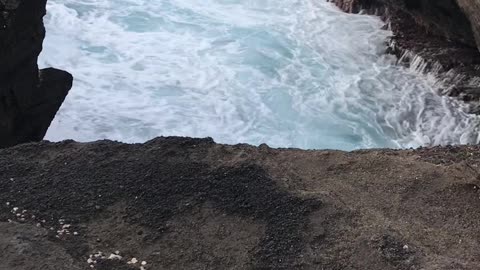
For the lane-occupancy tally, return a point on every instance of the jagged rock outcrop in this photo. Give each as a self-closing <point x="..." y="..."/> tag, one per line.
<point x="29" y="97"/>
<point x="452" y="19"/>
<point x="438" y="34"/>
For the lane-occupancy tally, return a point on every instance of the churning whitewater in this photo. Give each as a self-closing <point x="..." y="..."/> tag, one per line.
<point x="289" y="73"/>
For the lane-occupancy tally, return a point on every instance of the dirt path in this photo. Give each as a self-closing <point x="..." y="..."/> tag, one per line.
<point x="179" y="203"/>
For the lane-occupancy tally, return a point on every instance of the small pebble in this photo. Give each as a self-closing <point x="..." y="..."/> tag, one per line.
<point x="114" y="257"/>
<point x="132" y="261"/>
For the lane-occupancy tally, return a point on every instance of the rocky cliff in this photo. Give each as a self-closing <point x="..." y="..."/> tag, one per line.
<point x="436" y="36"/>
<point x="29" y="97"/>
<point x="454" y="20"/>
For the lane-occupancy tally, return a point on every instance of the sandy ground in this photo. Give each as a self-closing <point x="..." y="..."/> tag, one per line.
<point x="181" y="203"/>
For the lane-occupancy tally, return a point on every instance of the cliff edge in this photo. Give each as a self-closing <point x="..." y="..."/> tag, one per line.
<point x="182" y="203"/>
<point x="29" y="97"/>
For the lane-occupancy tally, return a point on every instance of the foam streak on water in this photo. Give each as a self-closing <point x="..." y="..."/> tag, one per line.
<point x="290" y="73"/>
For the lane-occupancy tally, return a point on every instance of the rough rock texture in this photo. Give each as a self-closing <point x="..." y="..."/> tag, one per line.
<point x="29" y="98"/>
<point x="433" y="36"/>
<point x="444" y="18"/>
<point x="471" y="8"/>
<point x="181" y="203"/>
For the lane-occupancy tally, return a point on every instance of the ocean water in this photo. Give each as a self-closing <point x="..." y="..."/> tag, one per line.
<point x="289" y="73"/>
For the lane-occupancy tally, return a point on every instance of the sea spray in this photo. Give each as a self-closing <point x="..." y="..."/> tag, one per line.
<point x="287" y="73"/>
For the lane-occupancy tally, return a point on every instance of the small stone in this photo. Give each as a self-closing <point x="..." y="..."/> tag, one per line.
<point x="132" y="261"/>
<point x="405" y="247"/>
<point x="114" y="257"/>
<point x="144" y="263"/>
<point x="75" y="233"/>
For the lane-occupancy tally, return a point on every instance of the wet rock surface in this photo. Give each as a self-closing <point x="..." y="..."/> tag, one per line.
<point x="29" y="97"/>
<point x="182" y="203"/>
<point x="432" y="36"/>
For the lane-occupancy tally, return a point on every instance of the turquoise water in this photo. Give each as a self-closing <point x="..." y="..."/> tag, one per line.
<point x="289" y="73"/>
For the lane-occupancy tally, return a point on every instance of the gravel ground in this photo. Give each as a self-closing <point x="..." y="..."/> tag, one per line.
<point x="182" y="203"/>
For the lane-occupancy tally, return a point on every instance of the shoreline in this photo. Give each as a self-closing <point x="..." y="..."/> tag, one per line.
<point x="455" y="64"/>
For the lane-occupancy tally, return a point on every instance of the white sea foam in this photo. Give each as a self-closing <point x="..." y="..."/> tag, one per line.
<point x="289" y="73"/>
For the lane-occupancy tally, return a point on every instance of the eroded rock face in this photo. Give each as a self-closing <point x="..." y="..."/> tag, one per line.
<point x="29" y="97"/>
<point x="437" y="36"/>
<point x="439" y="31"/>
<point x="451" y="19"/>
<point x="471" y="8"/>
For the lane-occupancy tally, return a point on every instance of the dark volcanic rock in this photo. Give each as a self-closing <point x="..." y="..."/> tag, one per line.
<point x="29" y="98"/>
<point x="444" y="18"/>
<point x="471" y="8"/>
<point x="438" y="34"/>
